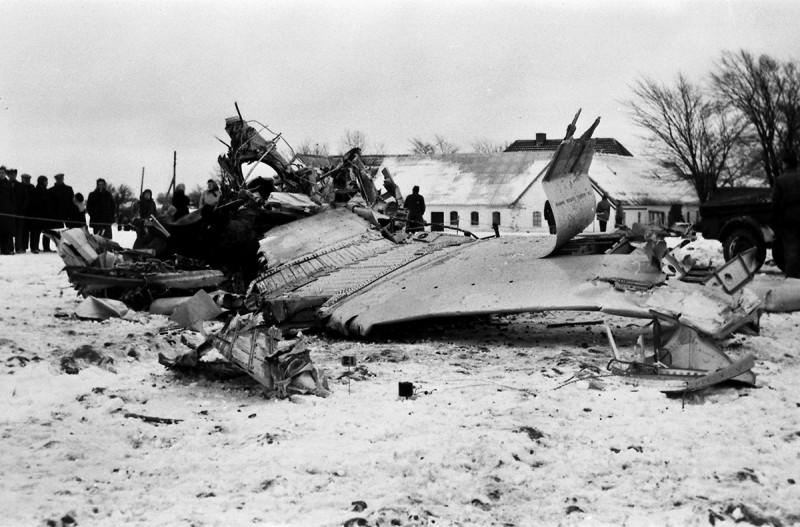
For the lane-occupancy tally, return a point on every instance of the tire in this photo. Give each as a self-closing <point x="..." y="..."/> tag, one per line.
<point x="741" y="239"/>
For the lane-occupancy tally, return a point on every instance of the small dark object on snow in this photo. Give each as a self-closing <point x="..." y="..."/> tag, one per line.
<point x="533" y="433"/>
<point x="481" y="505"/>
<point x="153" y="420"/>
<point x="359" y="506"/>
<point x="405" y="389"/>
<point x="573" y="508"/>
<point x="353" y="522"/>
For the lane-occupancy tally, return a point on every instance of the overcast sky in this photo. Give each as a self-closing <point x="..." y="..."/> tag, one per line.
<point x="101" y="89"/>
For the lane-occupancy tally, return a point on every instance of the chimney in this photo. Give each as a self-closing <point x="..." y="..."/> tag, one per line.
<point x="541" y="138"/>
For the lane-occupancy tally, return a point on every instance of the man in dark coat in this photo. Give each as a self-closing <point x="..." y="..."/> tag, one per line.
<point x="20" y="202"/>
<point x="101" y="209"/>
<point x="786" y="214"/>
<point x="603" y="211"/>
<point x="61" y="202"/>
<point x="181" y="202"/>
<point x="7" y="213"/>
<point x="40" y="209"/>
<point x="20" y="192"/>
<point x="25" y="223"/>
<point x="415" y="205"/>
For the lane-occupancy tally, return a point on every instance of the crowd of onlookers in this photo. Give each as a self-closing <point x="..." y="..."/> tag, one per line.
<point x="26" y="210"/>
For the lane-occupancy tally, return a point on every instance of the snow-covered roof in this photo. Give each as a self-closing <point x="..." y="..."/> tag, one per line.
<point x="640" y="181"/>
<point x="468" y="179"/>
<point x="500" y="179"/>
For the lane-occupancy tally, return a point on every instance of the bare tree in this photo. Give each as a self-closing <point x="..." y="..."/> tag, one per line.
<point x="767" y="93"/>
<point x="195" y="194"/>
<point x="445" y="146"/>
<point x="122" y="194"/>
<point x="354" y="139"/>
<point x="420" y="147"/>
<point x="314" y="149"/>
<point x="485" y="146"/>
<point x="692" y="133"/>
<point x="439" y="145"/>
<point x="744" y="166"/>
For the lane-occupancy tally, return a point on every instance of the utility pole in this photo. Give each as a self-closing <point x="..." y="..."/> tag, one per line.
<point x="174" y="163"/>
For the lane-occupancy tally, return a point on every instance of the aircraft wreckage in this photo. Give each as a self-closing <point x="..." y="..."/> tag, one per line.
<point x="327" y="247"/>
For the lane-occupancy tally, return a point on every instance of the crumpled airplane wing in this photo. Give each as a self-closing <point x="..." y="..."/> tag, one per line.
<point x="499" y="275"/>
<point x="332" y="267"/>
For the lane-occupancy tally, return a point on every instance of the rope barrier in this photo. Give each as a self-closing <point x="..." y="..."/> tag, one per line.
<point x="21" y="216"/>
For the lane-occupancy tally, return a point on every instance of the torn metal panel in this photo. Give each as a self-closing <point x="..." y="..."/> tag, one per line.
<point x="683" y="362"/>
<point x="568" y="188"/>
<point x="283" y="367"/>
<point x="312" y="235"/>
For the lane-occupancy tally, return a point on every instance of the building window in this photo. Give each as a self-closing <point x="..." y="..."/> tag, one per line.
<point x="656" y="217"/>
<point x="537" y="218"/>
<point x="474" y="218"/>
<point x="638" y="217"/>
<point x="454" y="219"/>
<point x="495" y="218"/>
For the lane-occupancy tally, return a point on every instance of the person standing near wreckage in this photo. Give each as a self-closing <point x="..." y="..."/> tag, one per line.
<point x="181" y="202"/>
<point x="603" y="211"/>
<point x="40" y="209"/>
<point x="101" y="209"/>
<point x="786" y="214"/>
<point x="415" y="205"/>
<point x="146" y="206"/>
<point x="209" y="198"/>
<point x="20" y="192"/>
<point x="24" y="228"/>
<point x="60" y="201"/>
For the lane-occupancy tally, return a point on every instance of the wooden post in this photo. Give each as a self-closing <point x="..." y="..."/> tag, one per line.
<point x="174" y="162"/>
<point x="141" y="183"/>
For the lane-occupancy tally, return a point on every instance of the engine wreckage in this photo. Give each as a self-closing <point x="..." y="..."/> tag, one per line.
<point x="328" y="247"/>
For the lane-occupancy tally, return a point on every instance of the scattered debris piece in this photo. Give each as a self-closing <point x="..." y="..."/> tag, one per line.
<point x="83" y="356"/>
<point x="192" y="313"/>
<point x="683" y="362"/>
<point x="101" y="309"/>
<point x="153" y="420"/>
<point x="283" y="367"/>
<point x="533" y="433"/>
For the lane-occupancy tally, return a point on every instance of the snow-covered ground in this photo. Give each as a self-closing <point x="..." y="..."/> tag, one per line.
<point x="497" y="434"/>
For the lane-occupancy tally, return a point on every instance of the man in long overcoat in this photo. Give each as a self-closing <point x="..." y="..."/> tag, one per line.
<point x="40" y="209"/>
<point x="101" y="209"/>
<point x="61" y="201"/>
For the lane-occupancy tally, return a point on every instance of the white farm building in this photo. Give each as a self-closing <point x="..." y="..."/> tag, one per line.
<point x="473" y="191"/>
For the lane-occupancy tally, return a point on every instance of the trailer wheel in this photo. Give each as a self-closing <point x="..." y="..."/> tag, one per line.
<point x="739" y="240"/>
